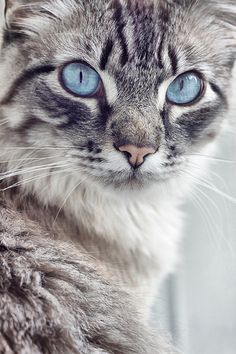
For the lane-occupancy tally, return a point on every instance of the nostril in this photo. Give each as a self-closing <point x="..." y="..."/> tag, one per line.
<point x="116" y="147"/>
<point x="127" y="154"/>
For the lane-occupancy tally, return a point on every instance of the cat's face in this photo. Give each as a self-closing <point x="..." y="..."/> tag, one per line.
<point x="126" y="90"/>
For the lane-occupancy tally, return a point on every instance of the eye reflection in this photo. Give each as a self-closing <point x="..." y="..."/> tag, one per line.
<point x="185" y="89"/>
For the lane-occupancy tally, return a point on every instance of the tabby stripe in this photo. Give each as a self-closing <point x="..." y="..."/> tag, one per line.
<point x="29" y="124"/>
<point x="196" y="122"/>
<point x="120" y="27"/>
<point x="219" y="93"/>
<point x="166" y="122"/>
<point x="74" y="114"/>
<point x="106" y="52"/>
<point x="105" y="112"/>
<point x="164" y="13"/>
<point x="173" y="59"/>
<point x="159" y="54"/>
<point x="11" y="36"/>
<point x="25" y="76"/>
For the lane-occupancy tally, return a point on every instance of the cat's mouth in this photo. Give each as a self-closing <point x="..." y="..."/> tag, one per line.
<point x="128" y="177"/>
<point x="136" y="179"/>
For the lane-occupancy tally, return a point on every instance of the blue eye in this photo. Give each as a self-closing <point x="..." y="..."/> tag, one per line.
<point x="185" y="89"/>
<point x="80" y="79"/>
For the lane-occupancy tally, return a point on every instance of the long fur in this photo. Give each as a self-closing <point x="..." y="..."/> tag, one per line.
<point x="54" y="301"/>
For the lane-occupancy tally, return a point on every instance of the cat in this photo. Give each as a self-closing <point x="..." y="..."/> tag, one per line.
<point x="103" y="105"/>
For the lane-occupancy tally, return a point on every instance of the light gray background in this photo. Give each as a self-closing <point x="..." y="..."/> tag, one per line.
<point x="205" y="293"/>
<point x="198" y="305"/>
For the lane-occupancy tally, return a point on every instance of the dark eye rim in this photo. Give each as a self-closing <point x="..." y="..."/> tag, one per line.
<point x="199" y="96"/>
<point x="100" y="92"/>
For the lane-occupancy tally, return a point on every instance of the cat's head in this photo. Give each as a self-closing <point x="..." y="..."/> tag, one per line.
<point x="121" y="91"/>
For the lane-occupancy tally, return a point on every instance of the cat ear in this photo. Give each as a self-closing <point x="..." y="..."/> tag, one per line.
<point x="24" y="16"/>
<point x="33" y="16"/>
<point x="11" y="7"/>
<point x="227" y="11"/>
<point x="226" y="14"/>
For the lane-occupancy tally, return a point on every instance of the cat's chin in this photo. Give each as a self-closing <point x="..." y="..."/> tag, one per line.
<point x="133" y="182"/>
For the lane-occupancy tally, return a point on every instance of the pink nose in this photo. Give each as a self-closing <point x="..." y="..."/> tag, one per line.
<point x="136" y="155"/>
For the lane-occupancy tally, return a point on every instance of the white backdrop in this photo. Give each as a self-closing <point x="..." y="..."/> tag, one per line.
<point x="199" y="302"/>
<point x="206" y="292"/>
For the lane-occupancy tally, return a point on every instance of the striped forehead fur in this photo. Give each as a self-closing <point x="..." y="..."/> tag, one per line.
<point x="24" y="14"/>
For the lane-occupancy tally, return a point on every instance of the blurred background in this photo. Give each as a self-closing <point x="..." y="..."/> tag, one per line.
<point x="197" y="305"/>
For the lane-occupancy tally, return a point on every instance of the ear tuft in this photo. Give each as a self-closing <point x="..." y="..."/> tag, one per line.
<point x="22" y="16"/>
<point x="227" y="12"/>
<point x="33" y="16"/>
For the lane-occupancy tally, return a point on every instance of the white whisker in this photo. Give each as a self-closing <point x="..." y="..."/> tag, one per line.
<point x="206" y="184"/>
<point x="3" y="122"/>
<point x="206" y="216"/>
<point x="38" y="148"/>
<point x="212" y="158"/>
<point x="218" y="220"/>
<point x="30" y="159"/>
<point x="66" y="199"/>
<point x="15" y="173"/>
<point x="33" y="178"/>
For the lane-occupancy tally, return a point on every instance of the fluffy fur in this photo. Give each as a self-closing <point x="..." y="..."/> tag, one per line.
<point x="53" y="300"/>
<point x="65" y="181"/>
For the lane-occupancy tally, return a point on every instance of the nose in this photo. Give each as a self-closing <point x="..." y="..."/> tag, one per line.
<point x="136" y="155"/>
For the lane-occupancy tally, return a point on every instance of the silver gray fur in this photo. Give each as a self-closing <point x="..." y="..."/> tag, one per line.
<point x="54" y="301"/>
<point x="69" y="281"/>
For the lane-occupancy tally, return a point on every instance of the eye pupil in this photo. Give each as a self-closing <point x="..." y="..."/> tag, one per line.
<point x="181" y="85"/>
<point x="185" y="89"/>
<point x="80" y="79"/>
